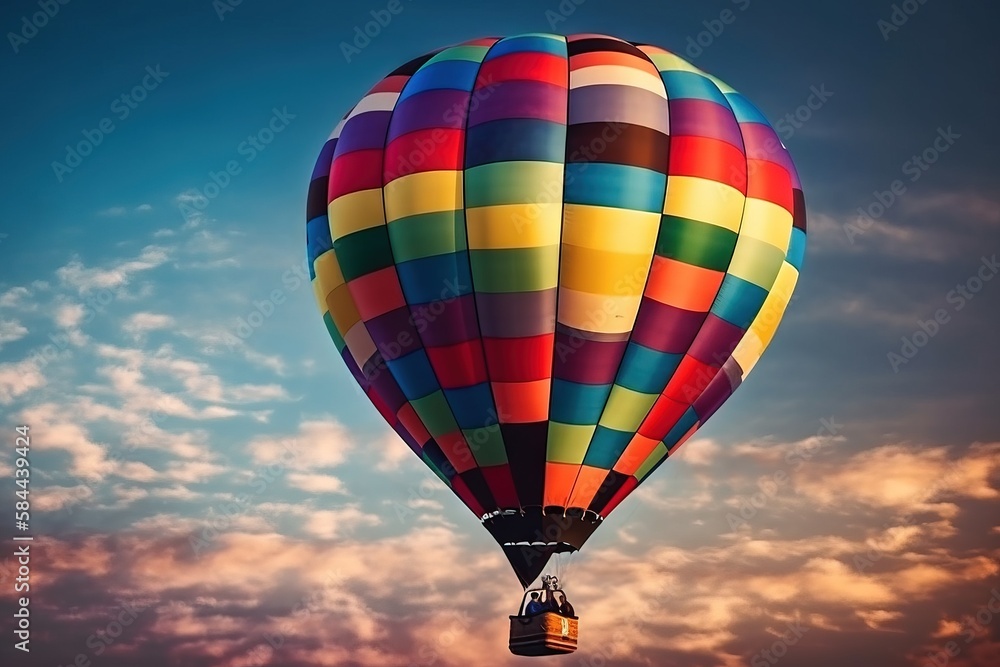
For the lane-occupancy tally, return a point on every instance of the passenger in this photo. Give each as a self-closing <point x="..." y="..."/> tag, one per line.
<point x="534" y="606"/>
<point x="566" y="609"/>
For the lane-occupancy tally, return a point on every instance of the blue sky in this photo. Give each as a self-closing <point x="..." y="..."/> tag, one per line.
<point x="156" y="412"/>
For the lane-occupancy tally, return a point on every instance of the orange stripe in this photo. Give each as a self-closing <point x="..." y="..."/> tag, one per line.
<point x="559" y="479"/>
<point x="635" y="454"/>
<point x="683" y="285"/>
<point x="522" y="402"/>
<point x="377" y="293"/>
<point x="596" y="58"/>
<point x="587" y="485"/>
<point x="411" y="422"/>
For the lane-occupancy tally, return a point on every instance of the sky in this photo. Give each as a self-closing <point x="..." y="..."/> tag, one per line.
<point x="210" y="488"/>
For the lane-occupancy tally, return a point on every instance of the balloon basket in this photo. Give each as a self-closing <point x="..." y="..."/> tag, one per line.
<point x="547" y="633"/>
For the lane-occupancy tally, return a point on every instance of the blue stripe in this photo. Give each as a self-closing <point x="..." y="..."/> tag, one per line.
<point x="472" y="406"/>
<point x="738" y="301"/>
<point x="575" y="403"/>
<point x="683" y="425"/>
<point x="434" y="278"/>
<point x="689" y="85"/>
<point x="318" y="240"/>
<point x="745" y="111"/>
<point x="515" y="139"/>
<point x="444" y="74"/>
<point x="797" y="248"/>
<point x="528" y="43"/>
<point x="414" y="374"/>
<point x="606" y="447"/>
<point x="615" y="185"/>
<point x="646" y="370"/>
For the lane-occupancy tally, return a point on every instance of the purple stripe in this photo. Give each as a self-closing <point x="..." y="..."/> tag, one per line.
<point x="763" y="144"/>
<point x="517" y="314"/>
<point x="352" y="366"/>
<point x="394" y="333"/>
<point x="430" y="109"/>
<point x="587" y="361"/>
<point x="363" y="132"/>
<point x="387" y="388"/>
<point x="716" y="341"/>
<point x="447" y="322"/>
<point x="521" y="99"/>
<point x="324" y="160"/>
<point x="666" y="328"/>
<point x="618" y="104"/>
<point x="701" y="118"/>
<point x="715" y="394"/>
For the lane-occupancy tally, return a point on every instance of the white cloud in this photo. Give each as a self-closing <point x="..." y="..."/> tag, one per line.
<point x="18" y="378"/>
<point x="139" y="324"/>
<point x="318" y="444"/>
<point x="143" y="208"/>
<point x="69" y="315"/>
<point x="10" y="331"/>
<point x="53" y="498"/>
<point x="332" y="524"/>
<point x="113" y="212"/>
<point x="85" y="279"/>
<point x="14" y="297"/>
<point x="316" y="483"/>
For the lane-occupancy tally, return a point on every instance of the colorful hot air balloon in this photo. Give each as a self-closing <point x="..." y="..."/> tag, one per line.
<point x="547" y="261"/>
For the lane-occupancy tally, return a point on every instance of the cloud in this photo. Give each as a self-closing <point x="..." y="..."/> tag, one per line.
<point x="14" y="297"/>
<point x="138" y="325"/>
<point x="18" y="378"/>
<point x="10" y="331"/>
<point x="113" y="212"/>
<point x="76" y="275"/>
<point x="52" y="498"/>
<point x="69" y="315"/>
<point x="315" y="483"/>
<point x="319" y="443"/>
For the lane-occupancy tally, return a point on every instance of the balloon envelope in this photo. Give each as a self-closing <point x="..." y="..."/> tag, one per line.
<point x="547" y="261"/>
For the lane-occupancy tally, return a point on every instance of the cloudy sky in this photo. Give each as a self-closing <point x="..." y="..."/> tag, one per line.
<point x="209" y="488"/>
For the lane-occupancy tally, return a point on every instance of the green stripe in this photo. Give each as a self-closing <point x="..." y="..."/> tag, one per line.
<point x="428" y="234"/>
<point x="515" y="269"/>
<point x="363" y="252"/>
<point x="518" y="182"/>
<point x="334" y="334"/>
<point x="471" y="53"/>
<point x="757" y="262"/>
<point x="435" y="413"/>
<point x="696" y="243"/>
<point x="655" y="457"/>
<point x="487" y="445"/>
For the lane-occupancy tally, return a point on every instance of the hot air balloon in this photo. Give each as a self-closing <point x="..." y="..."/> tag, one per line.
<point x="547" y="261"/>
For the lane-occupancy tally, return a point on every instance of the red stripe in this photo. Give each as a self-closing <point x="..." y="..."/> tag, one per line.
<point x="461" y="490"/>
<point x="354" y="172"/>
<point x="390" y="84"/>
<point x="524" y="66"/>
<point x="519" y="359"/>
<point x="664" y="414"/>
<point x="689" y="380"/>
<point x="457" y="450"/>
<point x="709" y="158"/>
<point x="619" y="496"/>
<point x="433" y="149"/>
<point x="459" y="365"/>
<point x="771" y="182"/>
<point x="501" y="483"/>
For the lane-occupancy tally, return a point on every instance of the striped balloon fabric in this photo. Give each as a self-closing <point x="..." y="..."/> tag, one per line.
<point x="547" y="261"/>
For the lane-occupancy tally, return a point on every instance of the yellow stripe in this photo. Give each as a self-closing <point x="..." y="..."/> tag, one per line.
<point x="612" y="229"/>
<point x="426" y="192"/>
<point x="513" y="225"/>
<point x="704" y="200"/>
<point x="761" y="332"/>
<point x="356" y="211"/>
<point x="626" y="409"/>
<point x="327" y="268"/>
<point x="602" y="272"/>
<point x="343" y="310"/>
<point x="618" y="75"/>
<point x="767" y="222"/>
<point x="597" y="313"/>
<point x="668" y="62"/>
